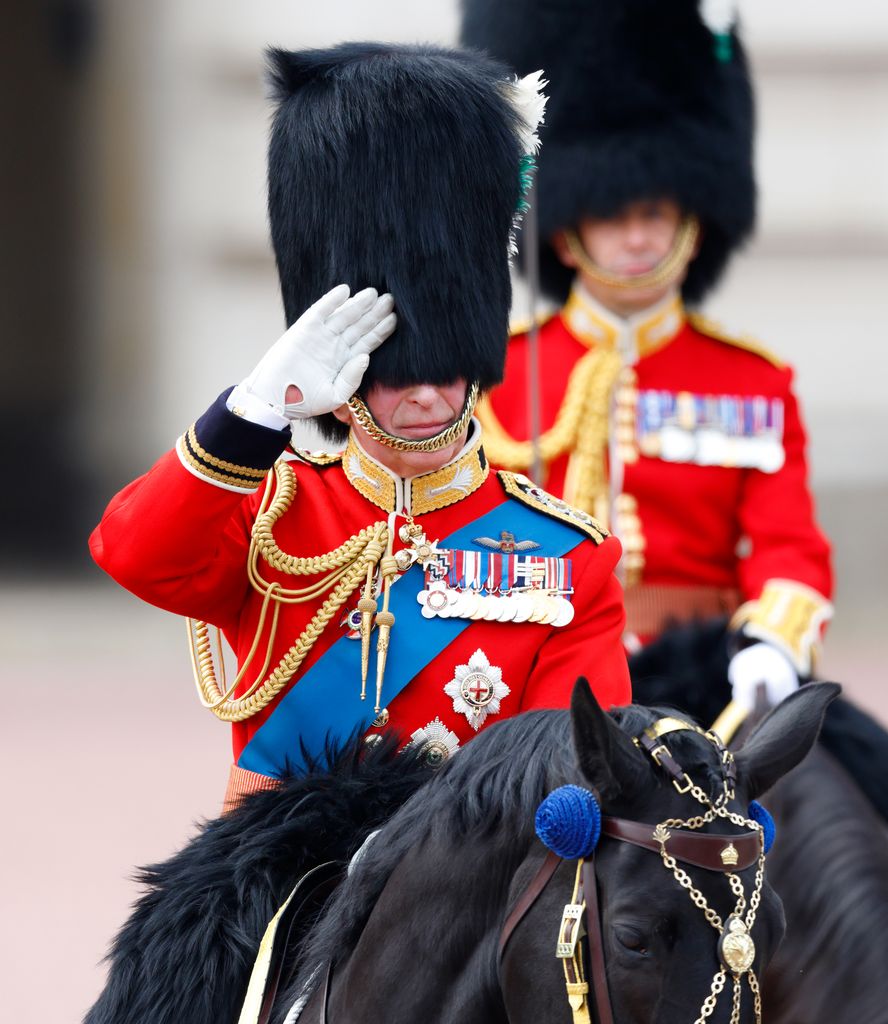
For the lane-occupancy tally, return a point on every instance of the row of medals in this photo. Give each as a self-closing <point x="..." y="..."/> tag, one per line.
<point x="529" y="604"/>
<point x="525" y="605"/>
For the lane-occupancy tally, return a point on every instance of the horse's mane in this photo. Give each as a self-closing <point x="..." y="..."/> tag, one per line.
<point x="495" y="783"/>
<point x="501" y="775"/>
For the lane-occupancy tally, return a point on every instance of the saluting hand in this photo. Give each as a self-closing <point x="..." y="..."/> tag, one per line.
<point x="318" y="364"/>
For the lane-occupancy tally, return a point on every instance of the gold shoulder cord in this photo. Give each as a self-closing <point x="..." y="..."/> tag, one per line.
<point x="580" y="429"/>
<point x="345" y="568"/>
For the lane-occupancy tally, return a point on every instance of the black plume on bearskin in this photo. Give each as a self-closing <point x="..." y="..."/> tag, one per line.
<point x="397" y="167"/>
<point x="639" y="107"/>
<point x="186" y="953"/>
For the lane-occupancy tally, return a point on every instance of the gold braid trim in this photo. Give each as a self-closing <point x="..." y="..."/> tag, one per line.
<point x="586" y="482"/>
<point x="791" y="616"/>
<point x="346" y="567"/>
<point x="507" y="453"/>
<point x="238" y="482"/>
<point x="713" y="329"/>
<point x="256" y="474"/>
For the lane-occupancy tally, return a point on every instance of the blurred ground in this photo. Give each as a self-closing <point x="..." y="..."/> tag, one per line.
<point x="113" y="760"/>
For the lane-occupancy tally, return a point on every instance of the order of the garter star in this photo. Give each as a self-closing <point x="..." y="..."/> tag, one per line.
<point x="477" y="689"/>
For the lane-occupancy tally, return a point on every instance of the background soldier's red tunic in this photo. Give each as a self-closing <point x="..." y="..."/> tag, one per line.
<point x="715" y="525"/>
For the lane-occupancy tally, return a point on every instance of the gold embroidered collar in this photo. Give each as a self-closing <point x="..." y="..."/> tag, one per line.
<point x="635" y="337"/>
<point x="418" y="494"/>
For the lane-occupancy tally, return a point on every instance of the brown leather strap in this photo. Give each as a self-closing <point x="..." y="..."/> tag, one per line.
<point x="317" y="884"/>
<point x="597" y="972"/>
<point x="660" y="753"/>
<point x="528" y="898"/>
<point x="651" y="607"/>
<point x="702" y="849"/>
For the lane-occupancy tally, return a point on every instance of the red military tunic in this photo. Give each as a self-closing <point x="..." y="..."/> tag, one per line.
<point x="179" y="537"/>
<point x="693" y="445"/>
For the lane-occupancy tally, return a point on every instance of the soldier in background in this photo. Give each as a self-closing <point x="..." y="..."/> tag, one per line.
<point x="687" y="440"/>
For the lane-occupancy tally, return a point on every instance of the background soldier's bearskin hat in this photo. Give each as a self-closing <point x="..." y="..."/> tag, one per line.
<point x="399" y="168"/>
<point x="645" y="101"/>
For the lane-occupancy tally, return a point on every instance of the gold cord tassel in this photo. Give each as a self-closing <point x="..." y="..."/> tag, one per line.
<point x="384" y="621"/>
<point x="367" y="608"/>
<point x="388" y="570"/>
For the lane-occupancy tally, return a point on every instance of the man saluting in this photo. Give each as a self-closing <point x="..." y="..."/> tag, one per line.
<point x="361" y="590"/>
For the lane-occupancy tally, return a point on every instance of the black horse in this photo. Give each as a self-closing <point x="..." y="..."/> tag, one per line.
<point x="414" y="932"/>
<point x="830" y="865"/>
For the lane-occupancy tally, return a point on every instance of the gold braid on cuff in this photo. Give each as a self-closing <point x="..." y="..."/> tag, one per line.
<point x="664" y="272"/>
<point x="427" y="444"/>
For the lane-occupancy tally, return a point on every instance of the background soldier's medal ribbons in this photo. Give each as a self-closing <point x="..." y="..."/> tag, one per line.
<point x="712" y="430"/>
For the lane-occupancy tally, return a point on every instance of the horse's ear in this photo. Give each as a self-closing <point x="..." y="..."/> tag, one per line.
<point x="783" y="737"/>
<point x="606" y="755"/>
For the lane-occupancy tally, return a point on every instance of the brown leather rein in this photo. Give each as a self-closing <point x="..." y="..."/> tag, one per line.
<point x="706" y="850"/>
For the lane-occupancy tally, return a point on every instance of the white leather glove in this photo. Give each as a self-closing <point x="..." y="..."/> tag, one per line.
<point x="324" y="354"/>
<point x="761" y="665"/>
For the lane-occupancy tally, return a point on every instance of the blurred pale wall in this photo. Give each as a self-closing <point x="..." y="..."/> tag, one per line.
<point x="176" y="298"/>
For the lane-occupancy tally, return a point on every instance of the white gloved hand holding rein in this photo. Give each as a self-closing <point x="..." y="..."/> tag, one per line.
<point x="761" y="665"/>
<point x="318" y="364"/>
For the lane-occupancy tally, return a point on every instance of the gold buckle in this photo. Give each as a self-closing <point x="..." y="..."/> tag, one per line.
<point x="657" y="751"/>
<point x="573" y="913"/>
<point x="683" y="787"/>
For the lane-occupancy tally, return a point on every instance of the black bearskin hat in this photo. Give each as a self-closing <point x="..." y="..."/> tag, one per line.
<point x="397" y="167"/>
<point x="641" y="105"/>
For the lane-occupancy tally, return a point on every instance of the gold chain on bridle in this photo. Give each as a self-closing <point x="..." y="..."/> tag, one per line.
<point x="736" y="949"/>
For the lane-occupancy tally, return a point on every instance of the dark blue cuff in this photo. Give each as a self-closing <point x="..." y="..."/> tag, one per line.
<point x="230" y="449"/>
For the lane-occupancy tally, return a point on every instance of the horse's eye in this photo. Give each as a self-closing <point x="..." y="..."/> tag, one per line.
<point x="632" y="940"/>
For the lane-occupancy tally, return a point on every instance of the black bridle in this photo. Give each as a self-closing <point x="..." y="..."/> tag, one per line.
<point x="703" y="851"/>
<point x="710" y="851"/>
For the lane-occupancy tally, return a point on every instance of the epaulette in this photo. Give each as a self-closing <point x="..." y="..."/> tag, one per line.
<point x="518" y="486"/>
<point x="713" y="329"/>
<point x="317" y="458"/>
<point x="523" y="325"/>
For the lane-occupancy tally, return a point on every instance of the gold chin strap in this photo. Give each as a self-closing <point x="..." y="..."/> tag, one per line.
<point x="665" y="272"/>
<point x="427" y="444"/>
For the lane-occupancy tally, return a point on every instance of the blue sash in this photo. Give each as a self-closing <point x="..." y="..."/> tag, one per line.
<point x="325" y="705"/>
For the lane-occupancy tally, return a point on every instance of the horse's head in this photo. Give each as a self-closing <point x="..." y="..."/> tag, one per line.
<point x="667" y="924"/>
<point x="454" y="910"/>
